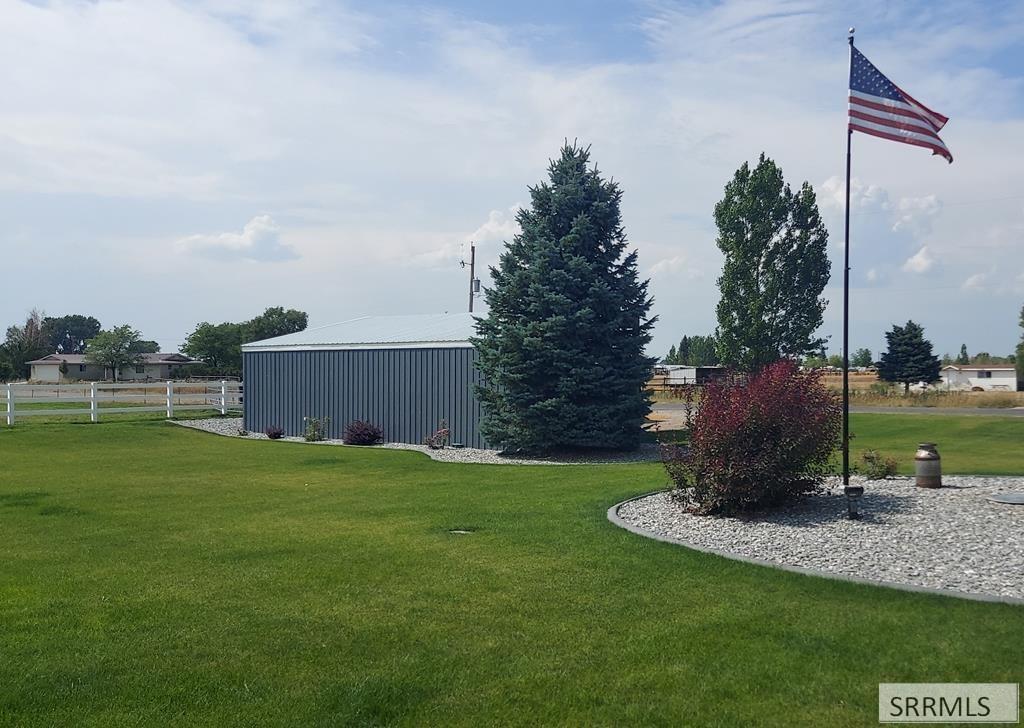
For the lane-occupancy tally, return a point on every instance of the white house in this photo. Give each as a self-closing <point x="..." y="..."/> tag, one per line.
<point x="980" y="377"/>
<point x="157" y="366"/>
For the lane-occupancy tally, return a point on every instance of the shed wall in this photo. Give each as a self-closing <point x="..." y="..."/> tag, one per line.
<point x="404" y="391"/>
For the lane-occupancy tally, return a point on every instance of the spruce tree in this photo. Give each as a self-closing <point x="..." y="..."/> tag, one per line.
<point x="776" y="266"/>
<point x="562" y="347"/>
<point x="963" y="357"/>
<point x="909" y="357"/>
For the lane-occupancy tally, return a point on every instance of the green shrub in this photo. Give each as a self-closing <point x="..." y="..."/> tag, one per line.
<point x="875" y="466"/>
<point x="316" y="428"/>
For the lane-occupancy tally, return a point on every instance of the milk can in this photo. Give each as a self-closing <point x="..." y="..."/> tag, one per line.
<point x="928" y="466"/>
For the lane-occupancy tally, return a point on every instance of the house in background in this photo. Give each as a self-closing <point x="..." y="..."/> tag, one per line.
<point x="158" y="366"/>
<point x="668" y="377"/>
<point x="980" y="377"/>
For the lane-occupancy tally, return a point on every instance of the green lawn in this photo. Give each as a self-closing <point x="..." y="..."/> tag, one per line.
<point x="154" y="575"/>
<point x="988" y="445"/>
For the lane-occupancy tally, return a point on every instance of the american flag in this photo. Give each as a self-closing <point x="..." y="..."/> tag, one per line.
<point x="878" y="107"/>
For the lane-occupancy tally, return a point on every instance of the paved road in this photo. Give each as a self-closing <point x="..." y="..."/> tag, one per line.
<point x="673" y="407"/>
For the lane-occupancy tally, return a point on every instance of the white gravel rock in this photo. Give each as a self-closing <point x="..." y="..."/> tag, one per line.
<point x="949" y="538"/>
<point x="232" y="427"/>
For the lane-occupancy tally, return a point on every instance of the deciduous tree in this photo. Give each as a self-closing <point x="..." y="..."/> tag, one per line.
<point x="219" y="346"/>
<point x="275" y="321"/>
<point x="24" y="344"/>
<point x="776" y="267"/>
<point x="114" y="349"/>
<point x="861" y="358"/>
<point x="68" y="334"/>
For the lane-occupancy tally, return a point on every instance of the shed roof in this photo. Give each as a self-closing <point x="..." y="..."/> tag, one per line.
<point x="378" y="332"/>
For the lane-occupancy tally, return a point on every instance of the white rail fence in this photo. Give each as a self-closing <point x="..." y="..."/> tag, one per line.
<point x="29" y="400"/>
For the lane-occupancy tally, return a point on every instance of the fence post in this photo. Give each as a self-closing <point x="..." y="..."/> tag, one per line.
<point x="223" y="397"/>
<point x="10" y="403"/>
<point x="170" y="399"/>
<point x="94" y="406"/>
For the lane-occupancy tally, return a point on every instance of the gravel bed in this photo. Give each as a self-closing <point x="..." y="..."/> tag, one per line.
<point x="231" y="426"/>
<point x="950" y="538"/>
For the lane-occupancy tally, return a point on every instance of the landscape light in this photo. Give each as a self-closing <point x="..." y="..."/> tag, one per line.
<point x="853" y="495"/>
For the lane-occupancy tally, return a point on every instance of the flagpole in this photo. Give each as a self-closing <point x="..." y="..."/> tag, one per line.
<point x="846" y="303"/>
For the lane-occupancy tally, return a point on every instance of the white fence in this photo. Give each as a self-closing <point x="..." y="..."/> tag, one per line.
<point x="24" y="400"/>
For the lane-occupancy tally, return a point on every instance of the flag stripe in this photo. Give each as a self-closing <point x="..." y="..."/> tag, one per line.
<point x="888" y="107"/>
<point x="896" y="122"/>
<point x="880" y="108"/>
<point x="906" y="139"/>
<point x="933" y="116"/>
<point x="901" y="133"/>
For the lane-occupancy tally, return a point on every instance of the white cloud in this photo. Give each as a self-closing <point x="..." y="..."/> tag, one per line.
<point x="974" y="282"/>
<point x="501" y="226"/>
<point x="872" y="275"/>
<point x="381" y="136"/>
<point x="920" y="262"/>
<point x="863" y="197"/>
<point x="442" y="252"/>
<point x="674" y="266"/>
<point x="916" y="214"/>
<point x="260" y="240"/>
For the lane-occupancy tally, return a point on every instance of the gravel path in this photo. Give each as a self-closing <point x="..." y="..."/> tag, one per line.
<point x="231" y="426"/>
<point x="952" y="538"/>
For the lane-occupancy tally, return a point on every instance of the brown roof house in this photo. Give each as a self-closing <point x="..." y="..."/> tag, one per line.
<point x="57" y="368"/>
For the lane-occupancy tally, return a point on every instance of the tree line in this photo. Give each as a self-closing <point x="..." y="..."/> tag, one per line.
<point x="41" y="335"/>
<point x="218" y="347"/>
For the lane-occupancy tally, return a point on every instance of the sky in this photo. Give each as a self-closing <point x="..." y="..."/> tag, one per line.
<point x="164" y="163"/>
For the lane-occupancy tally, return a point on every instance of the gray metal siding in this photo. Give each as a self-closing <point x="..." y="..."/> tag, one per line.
<point x="404" y="391"/>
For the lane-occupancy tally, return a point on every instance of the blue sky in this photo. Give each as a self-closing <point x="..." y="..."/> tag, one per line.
<point x="164" y="162"/>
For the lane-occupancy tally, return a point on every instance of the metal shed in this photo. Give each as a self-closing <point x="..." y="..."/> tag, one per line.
<point x="402" y="373"/>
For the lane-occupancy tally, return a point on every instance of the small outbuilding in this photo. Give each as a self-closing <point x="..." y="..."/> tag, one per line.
<point x="404" y="374"/>
<point x="980" y="377"/>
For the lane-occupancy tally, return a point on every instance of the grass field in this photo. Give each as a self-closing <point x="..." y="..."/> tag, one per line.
<point x="968" y="445"/>
<point x="155" y="575"/>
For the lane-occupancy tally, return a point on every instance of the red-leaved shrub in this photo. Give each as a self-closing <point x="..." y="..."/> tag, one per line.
<point x="360" y="432"/>
<point x="757" y="441"/>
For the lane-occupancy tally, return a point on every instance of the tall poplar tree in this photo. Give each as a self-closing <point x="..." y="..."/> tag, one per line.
<point x="562" y="347"/>
<point x="1019" y="357"/>
<point x="909" y="358"/>
<point x="776" y="267"/>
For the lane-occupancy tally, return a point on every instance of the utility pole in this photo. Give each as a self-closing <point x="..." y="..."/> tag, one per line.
<point x="474" y="282"/>
<point x="472" y="274"/>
